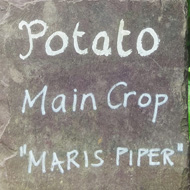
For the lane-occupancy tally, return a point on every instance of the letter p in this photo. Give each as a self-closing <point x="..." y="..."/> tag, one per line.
<point x="30" y="35"/>
<point x="158" y="103"/>
<point x="120" y="151"/>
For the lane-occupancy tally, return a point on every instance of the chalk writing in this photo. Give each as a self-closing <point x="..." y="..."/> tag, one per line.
<point x="180" y="147"/>
<point x="106" y="49"/>
<point x="151" y="157"/>
<point x="124" y="156"/>
<point x="160" y="99"/>
<point x="23" y="150"/>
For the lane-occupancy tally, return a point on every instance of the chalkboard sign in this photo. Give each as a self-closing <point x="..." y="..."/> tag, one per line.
<point x="93" y="95"/>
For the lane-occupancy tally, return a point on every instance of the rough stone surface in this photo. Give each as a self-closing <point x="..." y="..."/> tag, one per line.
<point x="90" y="130"/>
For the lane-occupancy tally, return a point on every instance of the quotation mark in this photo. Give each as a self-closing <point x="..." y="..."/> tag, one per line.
<point x="23" y="150"/>
<point x="180" y="147"/>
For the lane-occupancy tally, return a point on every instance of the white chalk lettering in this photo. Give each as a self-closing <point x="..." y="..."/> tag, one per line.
<point x="167" y="153"/>
<point x="120" y="151"/>
<point x="31" y="102"/>
<point x="32" y="161"/>
<point x="98" y="158"/>
<point x="106" y="50"/>
<point x="140" y="48"/>
<point x="150" y="157"/>
<point x="152" y="153"/>
<point x="121" y="34"/>
<point x="74" y="100"/>
<point x="141" y="152"/>
<point x="32" y="36"/>
<point x="58" y="103"/>
<point x="56" y="162"/>
<point x="143" y="105"/>
<point x="86" y="159"/>
<point x="126" y="96"/>
<point x="62" y="104"/>
<point x="158" y="104"/>
<point x="77" y="34"/>
<point x="72" y="159"/>
<point x="130" y="158"/>
<point x="109" y="94"/>
<point x="84" y="97"/>
<point x="65" y="40"/>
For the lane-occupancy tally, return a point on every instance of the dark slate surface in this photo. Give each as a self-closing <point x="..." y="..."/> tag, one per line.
<point x="102" y="129"/>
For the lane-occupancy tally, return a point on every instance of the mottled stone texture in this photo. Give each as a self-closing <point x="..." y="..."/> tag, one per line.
<point x="103" y="129"/>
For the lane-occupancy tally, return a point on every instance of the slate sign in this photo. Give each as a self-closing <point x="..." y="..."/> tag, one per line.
<point x="93" y="95"/>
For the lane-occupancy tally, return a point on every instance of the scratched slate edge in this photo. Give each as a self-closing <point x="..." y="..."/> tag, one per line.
<point x="5" y="110"/>
<point x="185" y="184"/>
